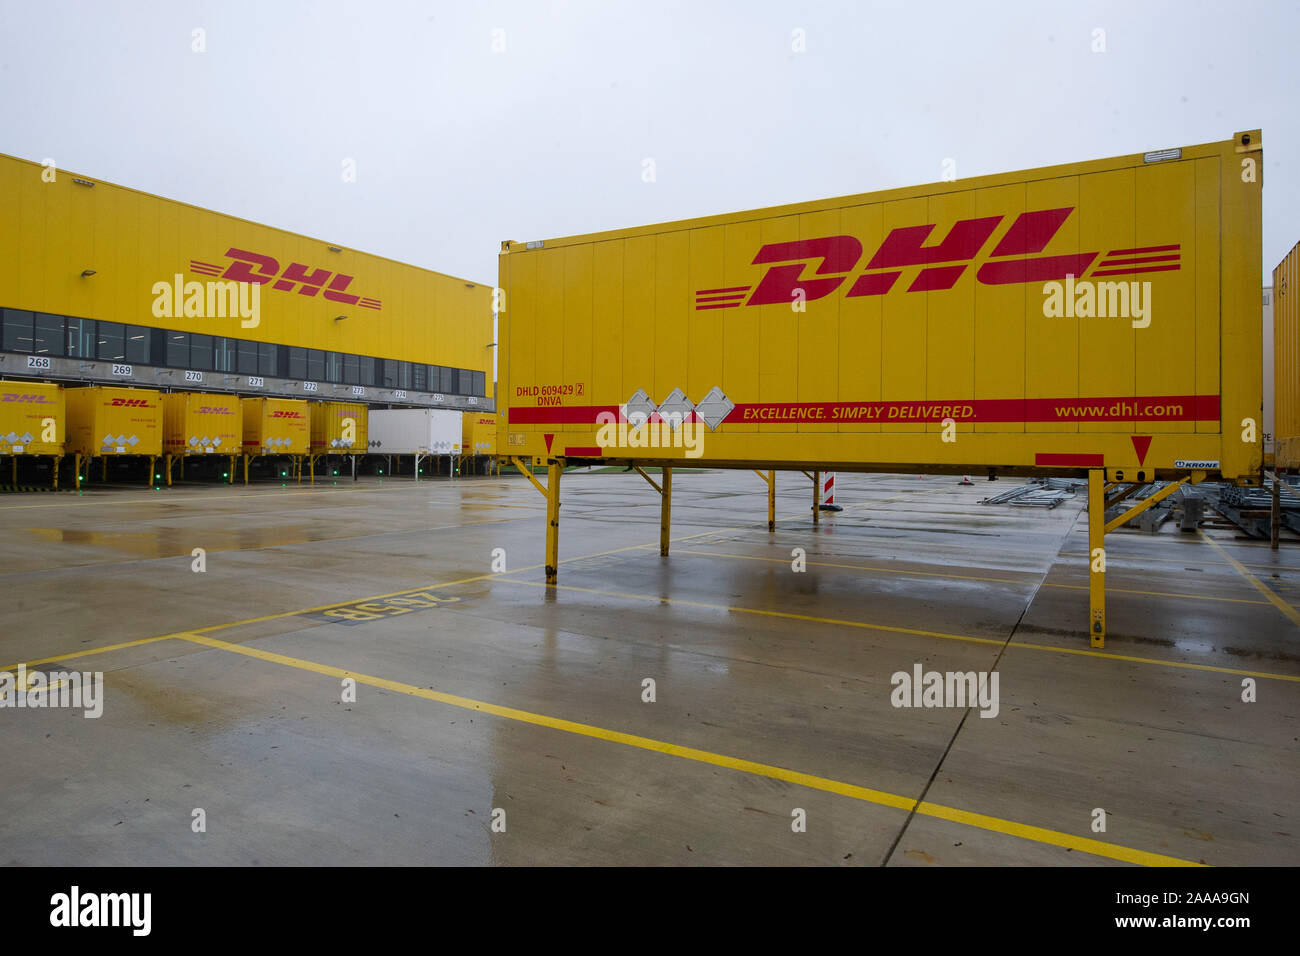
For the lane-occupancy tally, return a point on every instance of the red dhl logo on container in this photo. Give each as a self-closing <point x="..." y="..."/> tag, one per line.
<point x="214" y="410"/>
<point x="26" y="397"/>
<point x="279" y="413"/>
<point x="130" y="403"/>
<point x="837" y="256"/>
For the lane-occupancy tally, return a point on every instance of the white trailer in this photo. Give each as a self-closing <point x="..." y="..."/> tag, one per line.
<point x="420" y="432"/>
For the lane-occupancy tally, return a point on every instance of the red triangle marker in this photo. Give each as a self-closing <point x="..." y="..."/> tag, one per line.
<point x="1141" y="443"/>
<point x="551" y="438"/>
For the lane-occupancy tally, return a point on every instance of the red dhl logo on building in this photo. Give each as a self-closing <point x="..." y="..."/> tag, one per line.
<point x="262" y="269"/>
<point x="904" y="248"/>
<point x="27" y="397"/>
<point x="130" y="403"/>
<point x="278" y="413"/>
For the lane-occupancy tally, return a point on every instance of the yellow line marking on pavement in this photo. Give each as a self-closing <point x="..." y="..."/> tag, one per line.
<point x="89" y="652"/>
<point x="967" y="577"/>
<point x="893" y="629"/>
<point x="326" y="607"/>
<point x="866" y="794"/>
<point x="1263" y="588"/>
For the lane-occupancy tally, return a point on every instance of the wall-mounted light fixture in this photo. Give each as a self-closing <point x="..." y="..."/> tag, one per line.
<point x="83" y="182"/>
<point x="333" y="248"/>
<point x="490" y="345"/>
<point x="87" y="273"/>
<point x="339" y="318"/>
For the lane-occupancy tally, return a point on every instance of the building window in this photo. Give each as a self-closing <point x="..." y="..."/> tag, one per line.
<point x="81" y="338"/>
<point x="297" y="362"/>
<point x="223" y="354"/>
<point x="47" y="335"/>
<point x="477" y="383"/>
<point x="388" y="373"/>
<point x="178" y="349"/>
<point x="201" y="352"/>
<point x="137" y="344"/>
<point x="17" y="332"/>
<point x="111" y="342"/>
<point x="333" y="367"/>
<point x="315" y="365"/>
<point x="420" y="377"/>
<point x="268" y="359"/>
<point x="351" y="370"/>
<point x="246" y="361"/>
<point x="466" y="382"/>
<point x="368" y="371"/>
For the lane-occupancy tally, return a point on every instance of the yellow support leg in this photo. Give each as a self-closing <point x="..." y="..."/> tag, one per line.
<point x="665" y="510"/>
<point x="817" y="496"/>
<point x="57" y="460"/>
<point x="771" y="501"/>
<point x="103" y="473"/>
<point x="1097" y="557"/>
<point x="553" y="471"/>
<point x="153" y="460"/>
<point x="76" y="460"/>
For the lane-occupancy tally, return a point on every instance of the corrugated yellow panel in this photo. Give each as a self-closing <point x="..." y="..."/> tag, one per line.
<point x="549" y="348"/>
<point x="903" y="329"/>
<point x="778" y="340"/>
<point x="1203" y="256"/>
<point x="11" y="186"/>
<point x="860" y="355"/>
<point x="669" y="335"/>
<point x="608" y="342"/>
<point x="740" y="346"/>
<point x="1001" y="315"/>
<point x="949" y="312"/>
<point x="578" y="324"/>
<point x="818" y="331"/>
<point x="638" y="320"/>
<point x="1052" y="347"/>
<point x="1106" y="343"/>
<point x="704" y="333"/>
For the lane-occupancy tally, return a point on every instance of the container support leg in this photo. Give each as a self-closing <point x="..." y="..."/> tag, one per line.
<point x="153" y="460"/>
<point x="1096" y="558"/>
<point x="57" y="460"/>
<point x="817" y="495"/>
<point x="103" y="473"/>
<point x="76" y="461"/>
<point x="554" y="469"/>
<point x="665" y="511"/>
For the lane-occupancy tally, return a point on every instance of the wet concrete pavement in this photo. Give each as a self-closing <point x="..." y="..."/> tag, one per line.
<point x="481" y="691"/>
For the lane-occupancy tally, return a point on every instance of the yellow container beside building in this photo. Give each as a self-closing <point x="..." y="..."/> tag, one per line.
<point x="103" y="420"/>
<point x="197" y="423"/>
<point x="479" y="433"/>
<point x="33" y="419"/>
<point x="1097" y="315"/>
<point x="1286" y="360"/>
<point x="276" y="426"/>
<point x="339" y="428"/>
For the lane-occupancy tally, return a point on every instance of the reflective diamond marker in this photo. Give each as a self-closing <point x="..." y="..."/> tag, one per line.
<point x="639" y="408"/>
<point x="714" y="407"/>
<point x="675" y="408"/>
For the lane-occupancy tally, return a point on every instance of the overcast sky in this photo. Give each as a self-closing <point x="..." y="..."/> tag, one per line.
<point x="458" y="145"/>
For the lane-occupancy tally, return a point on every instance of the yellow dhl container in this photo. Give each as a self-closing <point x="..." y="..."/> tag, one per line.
<point x="33" y="418"/>
<point x="478" y="433"/>
<point x="106" y="420"/>
<point x="276" y="426"/>
<point x="198" y="423"/>
<point x="1286" y="360"/>
<point x="1101" y="314"/>
<point x="339" y="428"/>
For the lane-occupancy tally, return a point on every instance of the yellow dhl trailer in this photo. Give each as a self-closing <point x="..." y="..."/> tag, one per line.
<point x="1286" y="361"/>
<point x="478" y="434"/>
<point x="339" y="428"/>
<point x="104" y="420"/>
<point x="1096" y="319"/>
<point x="33" y="418"/>
<point x="276" y="426"/>
<point x="198" y="423"/>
